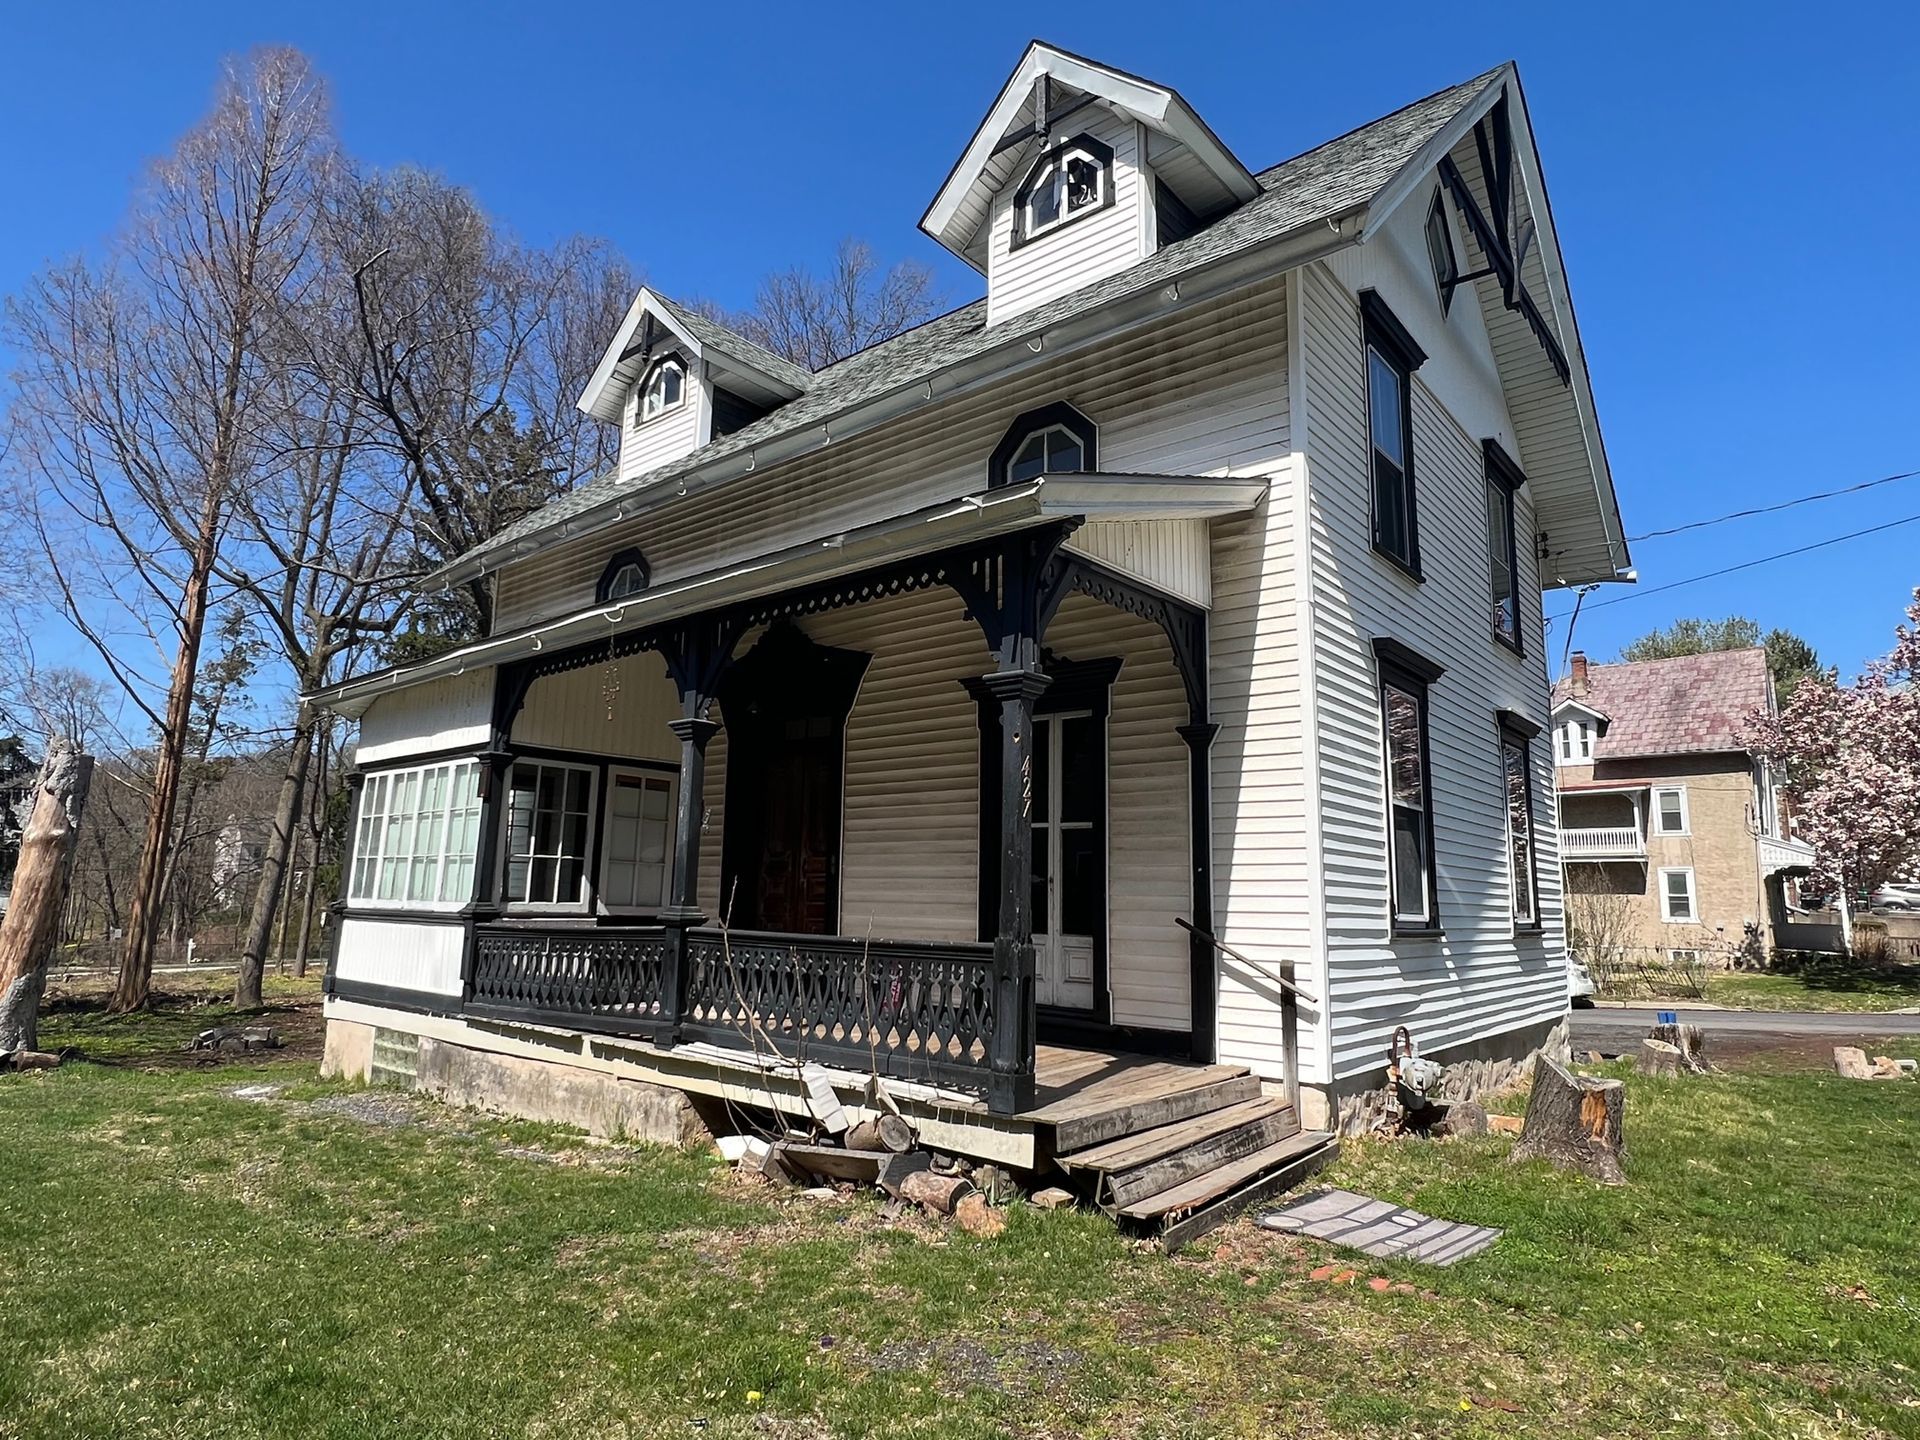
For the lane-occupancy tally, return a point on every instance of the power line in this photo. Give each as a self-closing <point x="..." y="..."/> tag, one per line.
<point x="1770" y="509"/>
<point x="1749" y="564"/>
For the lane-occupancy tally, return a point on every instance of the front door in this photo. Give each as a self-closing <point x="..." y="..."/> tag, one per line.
<point x="1069" y="856"/>
<point x="799" y="842"/>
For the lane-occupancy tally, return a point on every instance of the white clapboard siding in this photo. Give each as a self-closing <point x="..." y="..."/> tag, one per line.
<point x="438" y="715"/>
<point x="1195" y="396"/>
<point x="574" y="710"/>
<point x="401" y="954"/>
<point x="1019" y="278"/>
<point x="1170" y="555"/>
<point x="664" y="438"/>
<point x="1481" y="979"/>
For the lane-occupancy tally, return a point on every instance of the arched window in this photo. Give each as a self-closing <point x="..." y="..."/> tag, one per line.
<point x="664" y="389"/>
<point x="626" y="574"/>
<point x="1069" y="181"/>
<point x="1053" y="440"/>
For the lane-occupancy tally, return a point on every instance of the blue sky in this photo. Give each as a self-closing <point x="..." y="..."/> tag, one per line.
<point x="1735" y="191"/>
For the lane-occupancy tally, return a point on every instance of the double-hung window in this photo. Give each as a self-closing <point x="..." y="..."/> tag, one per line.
<point x="1392" y="357"/>
<point x="1677" y="903"/>
<point x="414" y="836"/>
<point x="1404" y="678"/>
<point x="1503" y="555"/>
<point x="548" y="808"/>
<point x="1670" y="810"/>
<point x="1516" y="777"/>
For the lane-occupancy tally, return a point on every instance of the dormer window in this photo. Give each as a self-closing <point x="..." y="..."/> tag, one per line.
<point x="1053" y="440"/>
<point x="627" y="574"/>
<point x="664" y="389"/>
<point x="1072" y="180"/>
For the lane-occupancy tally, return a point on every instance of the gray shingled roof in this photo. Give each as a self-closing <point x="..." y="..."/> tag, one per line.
<point x="714" y="336"/>
<point x="1336" y="177"/>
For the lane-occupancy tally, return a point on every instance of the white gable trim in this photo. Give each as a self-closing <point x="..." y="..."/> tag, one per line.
<point x="1566" y="705"/>
<point x="1156" y="106"/>
<point x="606" y="393"/>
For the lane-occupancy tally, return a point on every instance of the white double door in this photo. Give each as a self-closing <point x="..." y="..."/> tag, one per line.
<point x="1069" y="855"/>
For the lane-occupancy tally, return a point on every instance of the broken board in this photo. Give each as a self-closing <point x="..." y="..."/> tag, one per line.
<point x="1377" y="1228"/>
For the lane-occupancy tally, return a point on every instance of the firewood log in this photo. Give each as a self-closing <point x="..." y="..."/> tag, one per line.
<point x="936" y="1194"/>
<point x="884" y="1132"/>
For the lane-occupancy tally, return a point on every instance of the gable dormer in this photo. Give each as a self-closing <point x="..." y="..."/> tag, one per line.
<point x="672" y="379"/>
<point x="1078" y="172"/>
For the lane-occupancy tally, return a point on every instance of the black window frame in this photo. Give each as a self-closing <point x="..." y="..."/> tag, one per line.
<point x="1444" y="259"/>
<point x="1504" y="479"/>
<point x="621" y="560"/>
<point x="1102" y="155"/>
<point x="1403" y="668"/>
<point x="1060" y="414"/>
<point x="1384" y="335"/>
<point x="1516" y="731"/>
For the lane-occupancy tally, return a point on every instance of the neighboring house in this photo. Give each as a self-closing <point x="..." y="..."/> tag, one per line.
<point x="239" y="852"/>
<point x="1665" y="815"/>
<point x="1192" y="575"/>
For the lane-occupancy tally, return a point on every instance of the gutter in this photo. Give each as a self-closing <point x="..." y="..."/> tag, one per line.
<point x="1148" y="305"/>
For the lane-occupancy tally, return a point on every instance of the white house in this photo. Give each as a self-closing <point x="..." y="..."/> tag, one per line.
<point x="1144" y="660"/>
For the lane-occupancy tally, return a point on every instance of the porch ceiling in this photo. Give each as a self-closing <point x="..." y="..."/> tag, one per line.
<point x="926" y="531"/>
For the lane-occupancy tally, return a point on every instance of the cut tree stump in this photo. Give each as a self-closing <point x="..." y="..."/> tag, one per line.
<point x="1657" y="1057"/>
<point x="1574" y="1121"/>
<point x="1690" y="1041"/>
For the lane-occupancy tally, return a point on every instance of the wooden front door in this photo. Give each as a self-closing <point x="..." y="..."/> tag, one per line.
<point x="784" y="707"/>
<point x="800" y="831"/>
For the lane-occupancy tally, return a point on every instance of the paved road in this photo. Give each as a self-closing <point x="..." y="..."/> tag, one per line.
<point x="1611" y="1029"/>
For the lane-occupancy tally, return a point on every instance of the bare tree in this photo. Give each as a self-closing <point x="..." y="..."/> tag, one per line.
<point x="1603" y="929"/>
<point x="467" y="350"/>
<point x="140" y="396"/>
<point x="815" y="320"/>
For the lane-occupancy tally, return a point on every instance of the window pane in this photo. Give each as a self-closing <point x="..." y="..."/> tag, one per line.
<point x="1679" y="895"/>
<point x="1672" y="821"/>
<point x="1519" y="830"/>
<point x="1409" y="864"/>
<point x="1405" y="773"/>
<point x="1037" y="892"/>
<point x="1390" y="508"/>
<point x="1079" y="882"/>
<point x="1042" y="771"/>
<point x="1083" y="183"/>
<point x="1506" y="610"/>
<point x="1043" y="205"/>
<point x="1081" y="774"/>
<point x="1063" y="453"/>
<point x="1383" y="404"/>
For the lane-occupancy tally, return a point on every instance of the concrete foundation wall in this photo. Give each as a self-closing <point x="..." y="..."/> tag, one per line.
<point x="349" y="1052"/>
<point x="603" y="1105"/>
<point x="1480" y="1067"/>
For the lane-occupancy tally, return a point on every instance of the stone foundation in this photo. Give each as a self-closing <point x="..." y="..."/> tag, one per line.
<point x="549" y="1091"/>
<point x="1469" y="1072"/>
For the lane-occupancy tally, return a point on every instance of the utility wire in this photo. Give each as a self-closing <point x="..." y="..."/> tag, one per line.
<point x="1770" y="509"/>
<point x="1749" y="564"/>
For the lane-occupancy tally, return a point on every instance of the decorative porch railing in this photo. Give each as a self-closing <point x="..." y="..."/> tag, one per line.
<point x="1595" y="842"/>
<point x="909" y="1009"/>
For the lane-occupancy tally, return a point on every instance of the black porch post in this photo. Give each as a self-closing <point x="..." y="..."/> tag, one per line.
<point x="696" y="657"/>
<point x="1202" y="988"/>
<point x="1010" y="1061"/>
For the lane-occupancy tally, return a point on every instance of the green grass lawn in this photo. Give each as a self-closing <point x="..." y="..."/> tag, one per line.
<point x="1811" y="983"/>
<point x="175" y="1261"/>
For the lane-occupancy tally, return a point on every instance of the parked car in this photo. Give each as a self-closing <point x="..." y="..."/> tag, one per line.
<point x="1896" y="897"/>
<point x="1580" y="986"/>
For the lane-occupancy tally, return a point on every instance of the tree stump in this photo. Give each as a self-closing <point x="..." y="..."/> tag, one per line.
<point x="32" y="921"/>
<point x="1657" y="1057"/>
<point x="1574" y="1121"/>
<point x="1690" y="1041"/>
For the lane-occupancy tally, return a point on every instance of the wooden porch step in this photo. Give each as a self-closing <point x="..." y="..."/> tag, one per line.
<point x="1080" y="1122"/>
<point x="1284" y="1176"/>
<point x="1136" y="1166"/>
<point x="1175" y="1203"/>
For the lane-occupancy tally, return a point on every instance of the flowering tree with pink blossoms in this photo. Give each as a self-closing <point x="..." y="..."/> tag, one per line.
<point x="1849" y="757"/>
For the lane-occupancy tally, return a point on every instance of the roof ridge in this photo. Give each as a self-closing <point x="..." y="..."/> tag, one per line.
<point x="1481" y="79"/>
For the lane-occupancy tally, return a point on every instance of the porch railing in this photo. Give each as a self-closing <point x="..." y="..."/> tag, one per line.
<point x="909" y="1009"/>
<point x="1592" y="842"/>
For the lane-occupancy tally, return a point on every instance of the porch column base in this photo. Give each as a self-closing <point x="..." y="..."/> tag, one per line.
<point x="683" y="912"/>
